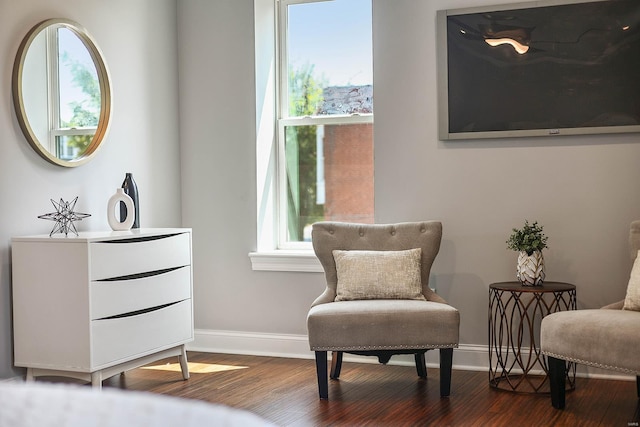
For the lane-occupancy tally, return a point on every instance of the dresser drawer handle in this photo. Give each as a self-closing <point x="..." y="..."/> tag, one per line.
<point x="140" y="275"/>
<point x="139" y="239"/>
<point x="139" y="312"/>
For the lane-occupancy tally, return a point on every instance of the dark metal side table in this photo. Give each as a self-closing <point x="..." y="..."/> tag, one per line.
<point x="515" y="312"/>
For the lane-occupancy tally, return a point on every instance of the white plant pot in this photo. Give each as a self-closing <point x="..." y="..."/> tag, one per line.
<point x="530" y="271"/>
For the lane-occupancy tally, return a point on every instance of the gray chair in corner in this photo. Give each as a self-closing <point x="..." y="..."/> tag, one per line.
<point x="380" y="327"/>
<point x="606" y="338"/>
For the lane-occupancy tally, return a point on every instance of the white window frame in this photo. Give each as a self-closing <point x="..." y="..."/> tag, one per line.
<point x="284" y="120"/>
<point x="269" y="254"/>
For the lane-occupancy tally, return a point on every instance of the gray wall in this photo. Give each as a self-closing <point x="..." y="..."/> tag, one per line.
<point x="138" y="39"/>
<point x="217" y="134"/>
<point x="580" y="188"/>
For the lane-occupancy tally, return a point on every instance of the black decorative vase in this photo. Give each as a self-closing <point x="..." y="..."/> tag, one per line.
<point x="131" y="189"/>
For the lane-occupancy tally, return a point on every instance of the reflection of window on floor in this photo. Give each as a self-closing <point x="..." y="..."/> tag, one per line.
<point x="325" y="125"/>
<point x="194" y="368"/>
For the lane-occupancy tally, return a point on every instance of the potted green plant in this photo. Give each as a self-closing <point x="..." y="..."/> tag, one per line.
<point x="529" y="241"/>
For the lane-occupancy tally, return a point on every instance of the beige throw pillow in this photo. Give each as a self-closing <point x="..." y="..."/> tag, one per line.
<point x="632" y="300"/>
<point x="378" y="275"/>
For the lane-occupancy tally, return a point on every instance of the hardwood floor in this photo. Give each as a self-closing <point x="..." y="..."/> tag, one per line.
<point x="284" y="391"/>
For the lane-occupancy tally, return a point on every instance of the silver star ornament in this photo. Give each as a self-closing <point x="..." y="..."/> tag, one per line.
<point x="64" y="216"/>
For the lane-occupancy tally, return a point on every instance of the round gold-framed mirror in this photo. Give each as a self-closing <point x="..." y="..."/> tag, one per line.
<point x="62" y="92"/>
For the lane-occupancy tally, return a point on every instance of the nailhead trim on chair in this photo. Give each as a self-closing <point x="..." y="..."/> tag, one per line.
<point x="584" y="362"/>
<point x="390" y="347"/>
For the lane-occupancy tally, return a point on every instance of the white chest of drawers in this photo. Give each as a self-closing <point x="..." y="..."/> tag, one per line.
<point x="94" y="305"/>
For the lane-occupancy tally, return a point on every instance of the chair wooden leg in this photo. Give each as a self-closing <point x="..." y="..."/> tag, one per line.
<point x="421" y="366"/>
<point x="321" y="372"/>
<point x="638" y="386"/>
<point x="446" y="362"/>
<point x="336" y="364"/>
<point x="557" y="378"/>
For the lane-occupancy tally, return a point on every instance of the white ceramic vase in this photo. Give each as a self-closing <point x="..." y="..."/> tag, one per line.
<point x="121" y="224"/>
<point x="530" y="271"/>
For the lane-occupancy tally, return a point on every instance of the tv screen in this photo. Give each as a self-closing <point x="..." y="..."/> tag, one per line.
<point x="543" y="68"/>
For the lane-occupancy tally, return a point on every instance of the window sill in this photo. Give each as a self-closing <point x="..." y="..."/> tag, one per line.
<point x="279" y="260"/>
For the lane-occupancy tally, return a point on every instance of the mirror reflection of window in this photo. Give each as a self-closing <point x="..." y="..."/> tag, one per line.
<point x="78" y="88"/>
<point x="58" y="66"/>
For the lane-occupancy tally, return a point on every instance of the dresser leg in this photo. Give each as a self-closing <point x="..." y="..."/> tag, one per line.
<point x="29" y="376"/>
<point x="184" y="364"/>
<point x="96" y="380"/>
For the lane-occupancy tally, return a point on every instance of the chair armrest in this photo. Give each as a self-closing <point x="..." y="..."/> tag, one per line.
<point x="329" y="295"/>
<point x="436" y="298"/>
<point x="615" y="306"/>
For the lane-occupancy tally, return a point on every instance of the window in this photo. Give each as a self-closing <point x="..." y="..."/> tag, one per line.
<point x="324" y="116"/>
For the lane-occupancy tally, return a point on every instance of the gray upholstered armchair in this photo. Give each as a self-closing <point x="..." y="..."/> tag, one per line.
<point x="606" y="338"/>
<point x="378" y="301"/>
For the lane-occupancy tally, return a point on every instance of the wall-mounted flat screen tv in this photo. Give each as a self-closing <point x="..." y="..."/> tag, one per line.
<point x="539" y="68"/>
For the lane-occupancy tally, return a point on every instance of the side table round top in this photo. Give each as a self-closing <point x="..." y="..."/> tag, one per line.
<point x="545" y="287"/>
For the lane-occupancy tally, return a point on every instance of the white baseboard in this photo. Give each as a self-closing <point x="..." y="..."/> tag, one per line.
<point x="469" y="357"/>
<point x="19" y="379"/>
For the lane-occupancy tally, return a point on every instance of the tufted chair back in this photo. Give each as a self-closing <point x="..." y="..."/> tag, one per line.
<point x="329" y="236"/>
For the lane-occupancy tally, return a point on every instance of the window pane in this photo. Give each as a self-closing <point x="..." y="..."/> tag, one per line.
<point x="79" y="85"/>
<point x="70" y="147"/>
<point x="329" y="176"/>
<point x="329" y="51"/>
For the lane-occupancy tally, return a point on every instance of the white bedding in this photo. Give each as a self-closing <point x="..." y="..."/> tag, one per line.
<point x="39" y="404"/>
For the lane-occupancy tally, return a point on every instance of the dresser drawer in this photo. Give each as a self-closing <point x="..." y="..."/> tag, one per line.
<point x="113" y="297"/>
<point x="125" y="338"/>
<point x="116" y="258"/>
